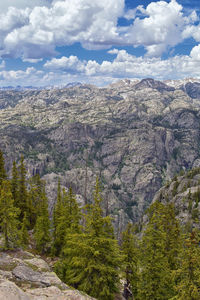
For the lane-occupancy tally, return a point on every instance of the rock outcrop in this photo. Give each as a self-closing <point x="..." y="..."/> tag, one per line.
<point x="24" y="276"/>
<point x="184" y="192"/>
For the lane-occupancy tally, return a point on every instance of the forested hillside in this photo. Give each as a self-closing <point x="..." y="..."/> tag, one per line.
<point x="158" y="258"/>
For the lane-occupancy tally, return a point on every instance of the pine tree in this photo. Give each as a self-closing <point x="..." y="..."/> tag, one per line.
<point x="34" y="199"/>
<point x="58" y="222"/>
<point x="130" y="250"/>
<point x="188" y="274"/>
<point x="156" y="275"/>
<point x="15" y="183"/>
<point x="71" y="211"/>
<point x="91" y="259"/>
<point x="67" y="216"/>
<point x="8" y="217"/>
<point x="22" y="200"/>
<point x="42" y="226"/>
<point x="24" y="232"/>
<point x="174" y="236"/>
<point x="57" y="208"/>
<point x="2" y="168"/>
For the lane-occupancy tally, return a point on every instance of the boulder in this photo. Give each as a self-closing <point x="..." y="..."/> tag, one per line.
<point x="10" y="291"/>
<point x="54" y="293"/>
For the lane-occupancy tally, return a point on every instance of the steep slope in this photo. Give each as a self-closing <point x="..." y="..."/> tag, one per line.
<point x="184" y="192"/>
<point x="135" y="135"/>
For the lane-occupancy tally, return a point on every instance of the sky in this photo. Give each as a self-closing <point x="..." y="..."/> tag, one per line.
<point x="56" y="42"/>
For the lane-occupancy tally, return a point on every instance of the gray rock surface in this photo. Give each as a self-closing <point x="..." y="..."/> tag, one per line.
<point x="10" y="291"/>
<point x="38" y="263"/>
<point x="53" y="293"/>
<point x="184" y="192"/>
<point x="28" y="279"/>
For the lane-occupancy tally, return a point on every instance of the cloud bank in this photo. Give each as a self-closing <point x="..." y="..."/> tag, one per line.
<point x="124" y="65"/>
<point x="33" y="32"/>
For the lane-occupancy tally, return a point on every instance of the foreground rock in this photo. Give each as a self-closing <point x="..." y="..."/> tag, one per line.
<point x="25" y="277"/>
<point x="10" y="291"/>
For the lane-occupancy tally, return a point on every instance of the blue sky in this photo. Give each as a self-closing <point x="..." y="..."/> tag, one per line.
<point x="54" y="42"/>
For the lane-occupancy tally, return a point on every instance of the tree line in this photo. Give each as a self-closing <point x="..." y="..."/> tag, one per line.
<point x="160" y="262"/>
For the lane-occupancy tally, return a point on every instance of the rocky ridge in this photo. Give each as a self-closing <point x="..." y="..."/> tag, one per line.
<point x="24" y="276"/>
<point x="184" y="192"/>
<point x="134" y="135"/>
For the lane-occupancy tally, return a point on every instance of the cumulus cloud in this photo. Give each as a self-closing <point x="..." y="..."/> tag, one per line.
<point x="195" y="53"/>
<point x="127" y="65"/>
<point x="94" y="24"/>
<point x="23" y="4"/>
<point x="33" y="29"/>
<point x="160" y="28"/>
<point x="19" y="74"/>
<point x="71" y="63"/>
<point x="124" y="65"/>
<point x="192" y="31"/>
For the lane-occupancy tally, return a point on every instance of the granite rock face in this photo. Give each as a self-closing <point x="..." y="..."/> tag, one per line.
<point x="10" y="291"/>
<point x="134" y="135"/>
<point x="25" y="277"/>
<point x="184" y="192"/>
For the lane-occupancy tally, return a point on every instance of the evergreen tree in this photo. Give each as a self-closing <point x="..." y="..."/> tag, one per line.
<point x="8" y="217"/>
<point x="22" y="200"/>
<point x="2" y="168"/>
<point x="130" y="250"/>
<point x="34" y="199"/>
<point x="58" y="219"/>
<point x="91" y="259"/>
<point x="72" y="211"/>
<point x="42" y="226"/>
<point x="188" y="274"/>
<point x="156" y="275"/>
<point x="174" y="236"/>
<point x="15" y="183"/>
<point x="24" y="231"/>
<point x="58" y="205"/>
<point x="67" y="216"/>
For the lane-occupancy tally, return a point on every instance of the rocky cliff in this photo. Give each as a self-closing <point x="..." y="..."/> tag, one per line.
<point x="184" y="192"/>
<point x="134" y="135"/>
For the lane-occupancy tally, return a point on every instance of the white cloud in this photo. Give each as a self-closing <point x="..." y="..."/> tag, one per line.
<point x="113" y="51"/>
<point x="130" y="14"/>
<point x="23" y="4"/>
<point x="195" y="53"/>
<point x="192" y="31"/>
<point x="32" y="60"/>
<point x="160" y="28"/>
<point x="19" y="74"/>
<point x="2" y="64"/>
<point x="63" y="23"/>
<point x="33" y="29"/>
<point x="66" y="63"/>
<point x="126" y="65"/>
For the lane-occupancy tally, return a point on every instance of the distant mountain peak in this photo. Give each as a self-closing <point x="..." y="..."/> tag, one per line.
<point x="154" y="84"/>
<point x="30" y="87"/>
<point x="192" y="89"/>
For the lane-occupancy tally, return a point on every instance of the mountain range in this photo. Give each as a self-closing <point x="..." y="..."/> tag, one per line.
<point x="135" y="135"/>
